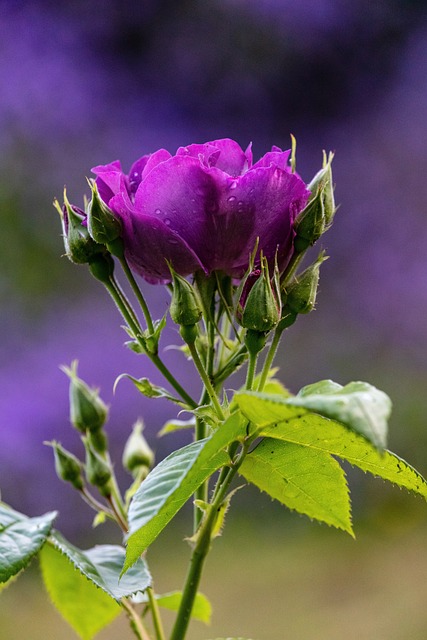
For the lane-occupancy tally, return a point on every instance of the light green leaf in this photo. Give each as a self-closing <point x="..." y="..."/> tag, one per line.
<point x="202" y="609"/>
<point x="103" y="564"/>
<point x="176" y="425"/>
<point x="20" y="540"/>
<point x="311" y="430"/>
<point x="310" y="482"/>
<point x="359" y="406"/>
<point x="172" y="482"/>
<point x="85" y="607"/>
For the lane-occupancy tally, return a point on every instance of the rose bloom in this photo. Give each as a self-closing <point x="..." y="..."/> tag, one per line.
<point x="204" y="208"/>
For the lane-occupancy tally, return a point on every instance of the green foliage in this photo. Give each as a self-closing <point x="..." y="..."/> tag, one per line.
<point x="83" y="605"/>
<point x="102" y="565"/>
<point x="21" y="538"/>
<point x="202" y="609"/>
<point x="278" y="418"/>
<point x="172" y="482"/>
<point x="311" y="482"/>
<point x="358" y="405"/>
<point x="147" y="388"/>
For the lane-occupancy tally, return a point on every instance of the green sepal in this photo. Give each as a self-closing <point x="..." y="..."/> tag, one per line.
<point x="88" y="412"/>
<point x="102" y="224"/>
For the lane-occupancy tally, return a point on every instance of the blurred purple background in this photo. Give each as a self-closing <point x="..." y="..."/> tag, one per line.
<point x="80" y="86"/>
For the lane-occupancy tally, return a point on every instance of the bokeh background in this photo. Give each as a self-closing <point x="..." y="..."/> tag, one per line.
<point x="85" y="82"/>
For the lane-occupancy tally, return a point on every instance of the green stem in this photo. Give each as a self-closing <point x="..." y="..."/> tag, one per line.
<point x="250" y="374"/>
<point x="200" y="552"/>
<point x="291" y="268"/>
<point x="138" y="293"/>
<point x="205" y="379"/>
<point x="155" y="614"/>
<point x="269" y="359"/>
<point x="112" y="289"/>
<point x="135" y="621"/>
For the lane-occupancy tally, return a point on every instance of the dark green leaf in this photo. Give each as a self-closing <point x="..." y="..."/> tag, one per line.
<point x="20" y="540"/>
<point x="103" y="564"/>
<point x="172" y="482"/>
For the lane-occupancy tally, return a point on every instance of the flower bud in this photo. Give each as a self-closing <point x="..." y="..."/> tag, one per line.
<point x="137" y="452"/>
<point x="185" y="308"/>
<point x="79" y="246"/>
<point x="98" y="470"/>
<point x="323" y="179"/>
<point x="300" y="295"/>
<point x="310" y="222"/>
<point x="67" y="466"/>
<point x="87" y="411"/>
<point x="102" y="224"/>
<point x="259" y="308"/>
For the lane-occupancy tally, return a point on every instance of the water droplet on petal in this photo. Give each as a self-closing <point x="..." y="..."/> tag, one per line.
<point x="158" y="212"/>
<point x="167" y="221"/>
<point x="232" y="199"/>
<point x="233" y="184"/>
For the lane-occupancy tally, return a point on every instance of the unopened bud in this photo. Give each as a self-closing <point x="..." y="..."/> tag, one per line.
<point x="310" y="223"/>
<point x="300" y="295"/>
<point x="102" y="267"/>
<point x="137" y="452"/>
<point x="185" y="308"/>
<point x="67" y="466"/>
<point x="259" y="308"/>
<point x="79" y="246"/>
<point x="87" y="411"/>
<point x="98" y="471"/>
<point x="102" y="224"/>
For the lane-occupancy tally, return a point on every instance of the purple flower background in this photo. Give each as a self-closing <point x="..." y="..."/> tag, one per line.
<point x="79" y="89"/>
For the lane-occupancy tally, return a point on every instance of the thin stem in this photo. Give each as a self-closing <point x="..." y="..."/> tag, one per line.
<point x="155" y="614"/>
<point x="269" y="359"/>
<point x="154" y="357"/>
<point x="291" y="268"/>
<point x="200" y="552"/>
<point x="138" y="293"/>
<point x="122" y="522"/>
<point x="135" y="621"/>
<point x="205" y="379"/>
<point x="250" y="374"/>
<point x="95" y="504"/>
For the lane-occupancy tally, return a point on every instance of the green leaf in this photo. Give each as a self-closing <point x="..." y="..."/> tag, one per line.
<point x="9" y="516"/>
<point x="20" y="540"/>
<point x="290" y="424"/>
<point x="176" y="425"/>
<point x="172" y="482"/>
<point x="310" y="482"/>
<point x="86" y="608"/>
<point x="359" y="406"/>
<point x="103" y="564"/>
<point x="202" y="609"/>
<point x="147" y="389"/>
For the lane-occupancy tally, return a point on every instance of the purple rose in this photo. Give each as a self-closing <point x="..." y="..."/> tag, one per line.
<point x="204" y="208"/>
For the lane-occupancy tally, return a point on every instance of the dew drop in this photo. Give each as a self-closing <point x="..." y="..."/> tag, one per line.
<point x="233" y="184"/>
<point x="167" y="221"/>
<point x="158" y="212"/>
<point x="231" y="199"/>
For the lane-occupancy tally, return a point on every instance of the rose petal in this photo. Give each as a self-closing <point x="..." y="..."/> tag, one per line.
<point x="109" y="179"/>
<point x="150" y="244"/>
<point x="184" y="196"/>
